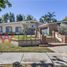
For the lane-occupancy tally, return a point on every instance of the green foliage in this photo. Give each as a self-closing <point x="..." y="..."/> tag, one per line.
<point x="4" y="3"/>
<point x="5" y="18"/>
<point x="8" y="17"/>
<point x="0" y="20"/>
<point x="63" y="29"/>
<point x="11" y="17"/>
<point x="49" y="17"/>
<point x="41" y="20"/>
<point x="20" y="17"/>
<point x="29" y="17"/>
<point x="65" y="19"/>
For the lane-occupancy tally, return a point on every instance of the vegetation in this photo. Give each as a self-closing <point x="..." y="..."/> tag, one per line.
<point x="20" y="17"/>
<point x="4" y="3"/>
<point x="65" y="19"/>
<point x="49" y="17"/>
<point x="23" y="37"/>
<point x="8" y="17"/>
<point x="11" y="17"/>
<point x="5" y="18"/>
<point x="63" y="29"/>
<point x="7" y="47"/>
<point x="29" y="17"/>
<point x="0" y="20"/>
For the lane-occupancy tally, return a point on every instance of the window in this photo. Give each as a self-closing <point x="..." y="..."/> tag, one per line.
<point x="8" y="29"/>
<point x="0" y="29"/>
<point x="32" y="26"/>
<point x="18" y="29"/>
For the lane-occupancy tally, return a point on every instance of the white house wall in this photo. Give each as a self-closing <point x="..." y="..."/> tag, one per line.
<point x="13" y="25"/>
<point x="17" y="24"/>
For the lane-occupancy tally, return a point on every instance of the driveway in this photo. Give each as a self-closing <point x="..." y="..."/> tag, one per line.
<point x="59" y="49"/>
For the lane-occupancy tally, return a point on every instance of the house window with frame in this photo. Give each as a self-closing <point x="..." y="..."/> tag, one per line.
<point x="0" y="29"/>
<point x="18" y="29"/>
<point x="32" y="25"/>
<point x="8" y="29"/>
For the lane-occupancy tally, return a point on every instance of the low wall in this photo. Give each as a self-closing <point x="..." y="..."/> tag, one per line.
<point x="32" y="42"/>
<point x="43" y="39"/>
<point x="61" y="38"/>
<point x="28" y="42"/>
<point x="27" y="65"/>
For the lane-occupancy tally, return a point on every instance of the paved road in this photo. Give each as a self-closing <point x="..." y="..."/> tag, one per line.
<point x="9" y="58"/>
<point x="31" y="58"/>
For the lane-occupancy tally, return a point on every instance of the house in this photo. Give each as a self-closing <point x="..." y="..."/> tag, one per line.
<point x="18" y="27"/>
<point x="63" y="28"/>
<point x="61" y="33"/>
<point x="47" y="28"/>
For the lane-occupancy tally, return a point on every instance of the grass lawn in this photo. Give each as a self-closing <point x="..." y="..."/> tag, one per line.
<point x="7" y="47"/>
<point x="24" y="37"/>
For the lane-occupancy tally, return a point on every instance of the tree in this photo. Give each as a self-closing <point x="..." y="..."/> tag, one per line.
<point x="65" y="19"/>
<point x="49" y="17"/>
<point x="0" y="20"/>
<point x="41" y="20"/>
<point x="4" y="3"/>
<point x="29" y="17"/>
<point x="62" y="29"/>
<point x="8" y="17"/>
<point x="20" y="17"/>
<point x="11" y="17"/>
<point x="5" y="18"/>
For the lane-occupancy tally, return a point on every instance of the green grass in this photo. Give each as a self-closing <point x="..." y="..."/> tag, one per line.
<point x="24" y="37"/>
<point x="7" y="47"/>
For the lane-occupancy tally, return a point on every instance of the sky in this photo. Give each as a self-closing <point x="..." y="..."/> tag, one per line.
<point x="37" y="8"/>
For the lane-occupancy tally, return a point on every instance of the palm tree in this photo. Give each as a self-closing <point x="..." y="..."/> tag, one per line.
<point x="49" y="17"/>
<point x="4" y="3"/>
<point x="41" y="20"/>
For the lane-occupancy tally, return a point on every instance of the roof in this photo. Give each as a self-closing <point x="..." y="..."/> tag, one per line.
<point x="43" y="26"/>
<point x="24" y="22"/>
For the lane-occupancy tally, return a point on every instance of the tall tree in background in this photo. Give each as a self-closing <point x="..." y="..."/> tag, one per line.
<point x="4" y="3"/>
<point x="44" y="19"/>
<point x="5" y="18"/>
<point x="41" y="20"/>
<point x="20" y="17"/>
<point x="0" y="20"/>
<point x="11" y="17"/>
<point x="65" y="19"/>
<point x="29" y="17"/>
<point x="49" y="17"/>
<point x="8" y="17"/>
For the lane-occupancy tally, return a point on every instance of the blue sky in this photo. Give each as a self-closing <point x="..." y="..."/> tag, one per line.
<point x="37" y="8"/>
